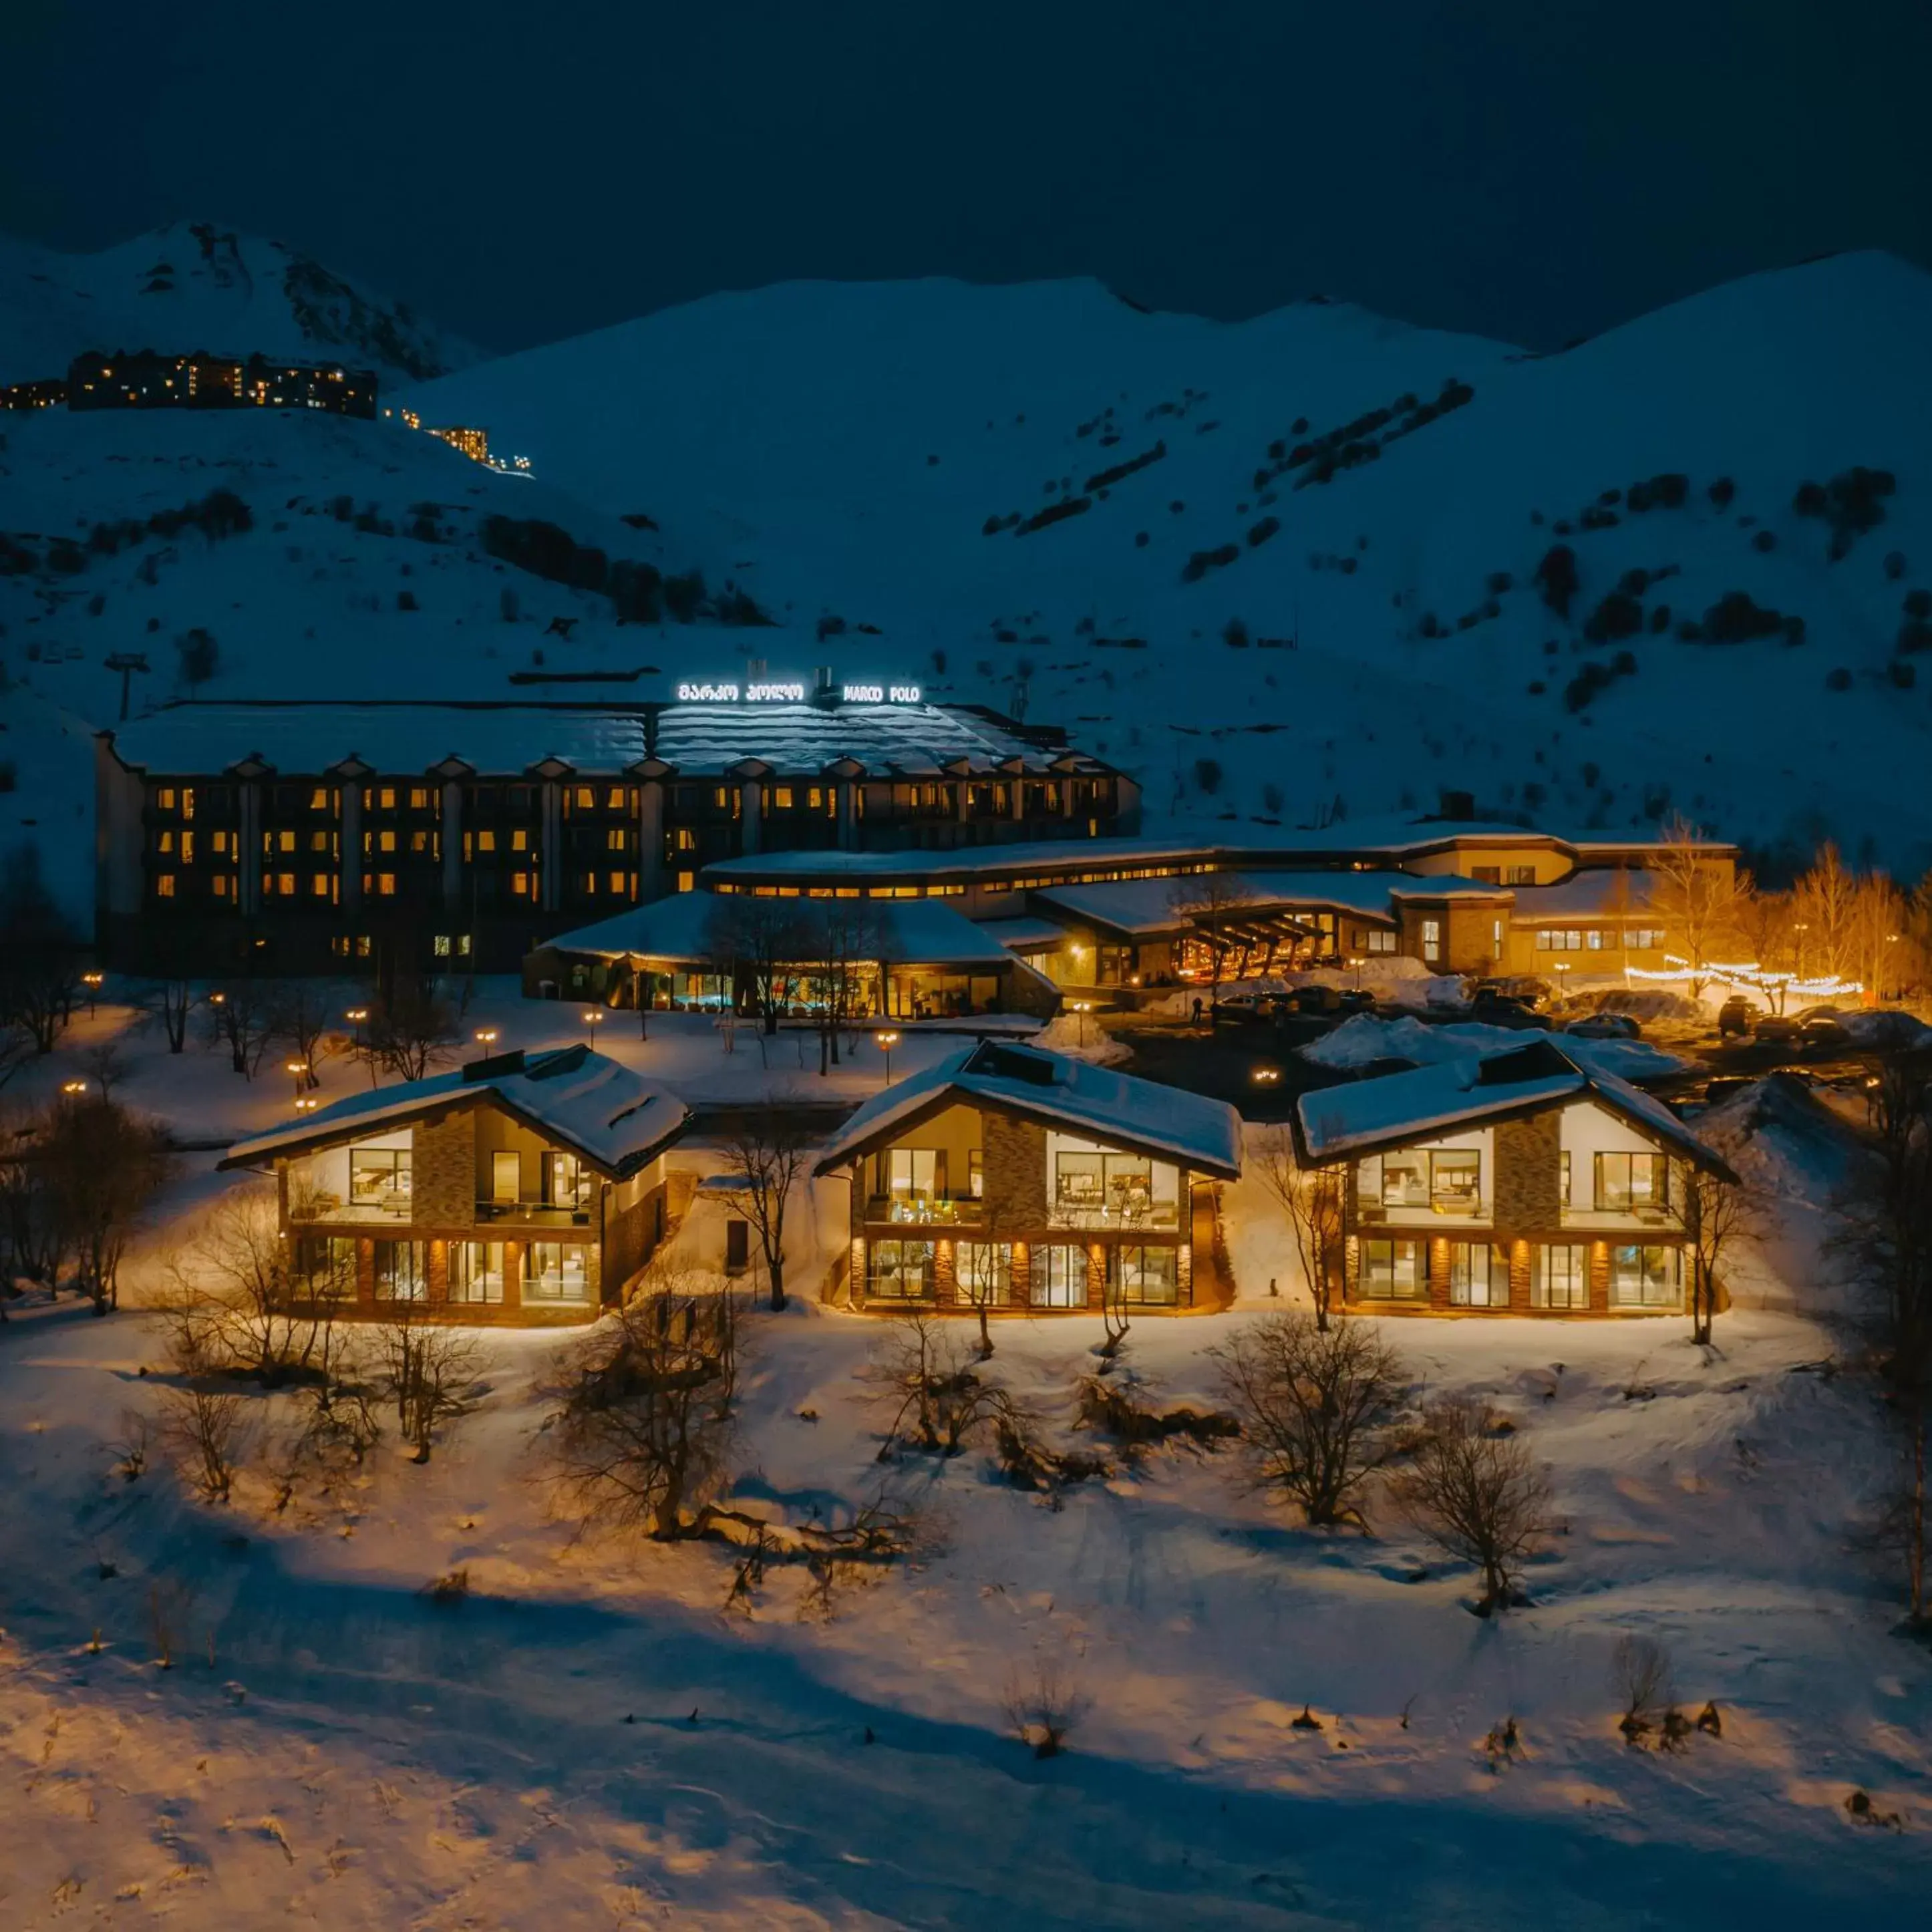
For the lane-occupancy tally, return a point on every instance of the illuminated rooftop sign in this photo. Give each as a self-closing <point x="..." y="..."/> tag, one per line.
<point x="766" y="692"/>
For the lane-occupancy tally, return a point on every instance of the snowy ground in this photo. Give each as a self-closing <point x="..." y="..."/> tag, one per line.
<point x="592" y="1740"/>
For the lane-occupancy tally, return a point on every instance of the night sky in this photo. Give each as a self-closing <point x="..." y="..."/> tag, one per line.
<point x="1534" y="169"/>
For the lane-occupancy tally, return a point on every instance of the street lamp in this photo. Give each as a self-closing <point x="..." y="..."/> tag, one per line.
<point x="886" y="1041"/>
<point x="1083" y="1008"/>
<point x="486" y="1037"/>
<point x="91" y="981"/>
<point x="298" y="1070"/>
<point x="307" y="1104"/>
<point x="591" y="1014"/>
<point x="1265" y="1076"/>
<point x="73" y="1088"/>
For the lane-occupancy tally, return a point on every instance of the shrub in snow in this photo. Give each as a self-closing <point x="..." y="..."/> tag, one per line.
<point x="1044" y="1708"/>
<point x="1208" y="775"/>
<point x="1619" y="615"/>
<point x="1556" y="578"/>
<point x="1314" y="1404"/>
<point x="1721" y="492"/>
<point x="1641" y="1678"/>
<point x="1477" y="1495"/>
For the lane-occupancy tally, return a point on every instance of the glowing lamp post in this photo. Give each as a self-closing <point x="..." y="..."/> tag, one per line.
<point x="1265" y="1076"/>
<point x="307" y="1104"/>
<point x="74" y="1089"/>
<point x="91" y="981"/>
<point x="298" y="1070"/>
<point x="486" y="1037"/>
<point x="1083" y="1008"/>
<point x="885" y="1043"/>
<point x="591" y="1014"/>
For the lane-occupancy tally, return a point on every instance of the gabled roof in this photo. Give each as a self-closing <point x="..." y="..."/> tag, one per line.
<point x="582" y="1100"/>
<point x="1398" y="1109"/>
<point x="1058" y="1091"/>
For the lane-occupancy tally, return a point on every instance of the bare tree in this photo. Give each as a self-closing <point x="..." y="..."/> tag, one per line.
<point x="848" y="946"/>
<point x="431" y="1371"/>
<point x="16" y="1048"/>
<point x="1314" y="1405"/>
<point x="202" y="1428"/>
<point x="1311" y="1199"/>
<point x="934" y="1399"/>
<point x="33" y="1234"/>
<point x="40" y="953"/>
<point x="241" y="1017"/>
<point x="763" y="938"/>
<point x="1715" y="1214"/>
<point x="767" y="1156"/>
<point x="646" y="1405"/>
<point x="982" y="1274"/>
<point x="1825" y="903"/>
<point x="302" y="1014"/>
<point x="411" y="1029"/>
<point x="262" y="1302"/>
<point x="102" y="1165"/>
<point x="171" y="1001"/>
<point x="1474" y="1492"/>
<point x="1699" y="900"/>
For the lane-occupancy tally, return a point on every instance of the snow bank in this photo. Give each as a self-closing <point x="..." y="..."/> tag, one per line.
<point x="1081" y="1038"/>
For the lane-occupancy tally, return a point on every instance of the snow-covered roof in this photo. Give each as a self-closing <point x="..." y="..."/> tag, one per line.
<point x="687" y="929"/>
<point x="1018" y="859"/>
<point x="1092" y="1102"/>
<point x="1601" y="891"/>
<point x="305" y="739"/>
<point x="1366" y="1038"/>
<point x="1397" y="1109"/>
<point x="581" y="1100"/>
<point x="1025" y="935"/>
<point x="1146" y="907"/>
<point x="913" y="739"/>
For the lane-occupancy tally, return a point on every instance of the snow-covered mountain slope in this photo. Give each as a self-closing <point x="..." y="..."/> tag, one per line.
<point x="1275" y="564"/>
<point x="257" y="554"/>
<point x="193" y="286"/>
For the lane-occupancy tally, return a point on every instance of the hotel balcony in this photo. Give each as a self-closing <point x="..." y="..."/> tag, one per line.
<point x="925" y="1210"/>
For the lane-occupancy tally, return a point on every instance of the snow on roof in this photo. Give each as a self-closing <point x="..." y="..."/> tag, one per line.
<point x="1367" y="1038"/>
<point x="997" y="861"/>
<point x="502" y="739"/>
<point x="686" y="930"/>
<point x="1025" y="935"/>
<point x="1092" y="1102"/>
<point x="1147" y="906"/>
<point x="1602" y="890"/>
<point x="582" y="1099"/>
<point x="914" y="739"/>
<point x="1399" y="1109"/>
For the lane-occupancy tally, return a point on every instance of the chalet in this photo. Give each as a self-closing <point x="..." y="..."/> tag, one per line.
<point x="1030" y="1181"/>
<point x="1518" y="1183"/>
<point x="521" y="1188"/>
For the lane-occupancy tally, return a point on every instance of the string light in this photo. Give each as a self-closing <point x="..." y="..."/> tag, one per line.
<point x="1747" y="977"/>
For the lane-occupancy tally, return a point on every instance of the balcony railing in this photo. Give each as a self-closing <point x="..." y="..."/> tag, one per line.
<point x="386" y="1209"/>
<point x="1113" y="1216"/>
<point x="926" y="1210"/>
<point x="1621" y="1219"/>
<point x="533" y="1213"/>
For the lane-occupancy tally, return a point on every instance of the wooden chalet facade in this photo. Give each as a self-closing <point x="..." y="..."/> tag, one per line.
<point x="1520" y="1183"/>
<point x="522" y="1189"/>
<point x="1033" y="1183"/>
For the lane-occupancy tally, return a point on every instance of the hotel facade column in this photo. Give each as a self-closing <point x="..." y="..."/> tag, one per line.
<point x="650" y="839"/>
<point x="350" y="866"/>
<point x="452" y="847"/>
<point x="750" y="819"/>
<point x="551" y="883"/>
<point x="251" y="849"/>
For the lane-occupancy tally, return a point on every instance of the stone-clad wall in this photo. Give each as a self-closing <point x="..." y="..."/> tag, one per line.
<point x="445" y="1183"/>
<point x="1016" y="1169"/>
<point x="1528" y="1156"/>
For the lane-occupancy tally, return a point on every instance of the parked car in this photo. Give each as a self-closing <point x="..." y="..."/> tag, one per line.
<point x="1721" y="1089"/>
<point x="1523" y="988"/>
<point x="1781" y="1028"/>
<point x="1605" y="1026"/>
<point x="1823" y="1028"/>
<point x="1735" y="1017"/>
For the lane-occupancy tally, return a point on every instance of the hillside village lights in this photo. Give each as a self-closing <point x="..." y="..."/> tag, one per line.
<point x="886" y="1041"/>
